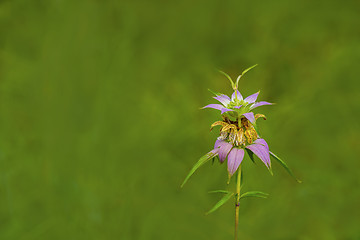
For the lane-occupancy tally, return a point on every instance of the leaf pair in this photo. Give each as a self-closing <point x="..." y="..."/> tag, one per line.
<point x="235" y="85"/>
<point x="228" y="195"/>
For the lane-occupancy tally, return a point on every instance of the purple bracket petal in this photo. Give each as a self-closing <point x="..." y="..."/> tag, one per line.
<point x="224" y="151"/>
<point x="252" y="98"/>
<point x="238" y="106"/>
<point x="214" y="106"/>
<point x="224" y="110"/>
<point x="225" y="100"/>
<point x="262" y="142"/>
<point x="258" y="104"/>
<point x="250" y="116"/>
<point x="214" y="152"/>
<point x="239" y="96"/>
<point x="262" y="152"/>
<point x="234" y="159"/>
<point x="218" y="143"/>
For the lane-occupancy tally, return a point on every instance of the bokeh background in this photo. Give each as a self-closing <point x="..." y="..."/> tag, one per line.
<point x="100" y="119"/>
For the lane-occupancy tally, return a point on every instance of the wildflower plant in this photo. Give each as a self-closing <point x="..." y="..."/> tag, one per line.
<point x="239" y="135"/>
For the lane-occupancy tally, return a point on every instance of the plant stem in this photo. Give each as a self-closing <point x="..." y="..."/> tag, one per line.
<point x="237" y="202"/>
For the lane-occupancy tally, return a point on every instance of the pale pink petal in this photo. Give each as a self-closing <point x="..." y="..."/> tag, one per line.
<point x="262" y="152"/>
<point x="224" y="110"/>
<point x="239" y="96"/>
<point x="224" y="151"/>
<point x="252" y="98"/>
<point x="258" y="104"/>
<point x="225" y="100"/>
<point x="250" y="116"/>
<point x="234" y="159"/>
<point x="218" y="143"/>
<point x="214" y="106"/>
<point x="262" y="142"/>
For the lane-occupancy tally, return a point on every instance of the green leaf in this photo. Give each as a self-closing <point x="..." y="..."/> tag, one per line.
<point x="251" y="155"/>
<point x="228" y="77"/>
<point x="254" y="194"/>
<point x="220" y="191"/>
<point x="248" y="69"/>
<point x="285" y="166"/>
<point x="215" y="93"/>
<point x="222" y="201"/>
<point x="199" y="163"/>
<point x="270" y="170"/>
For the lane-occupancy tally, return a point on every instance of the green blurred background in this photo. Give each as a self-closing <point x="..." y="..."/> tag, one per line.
<point x="100" y="119"/>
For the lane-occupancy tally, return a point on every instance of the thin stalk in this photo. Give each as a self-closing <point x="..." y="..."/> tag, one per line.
<point x="237" y="202"/>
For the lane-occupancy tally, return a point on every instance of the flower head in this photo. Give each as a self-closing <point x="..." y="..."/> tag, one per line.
<point x="238" y="129"/>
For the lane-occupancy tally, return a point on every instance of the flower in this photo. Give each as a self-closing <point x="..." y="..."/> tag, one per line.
<point x="239" y="134"/>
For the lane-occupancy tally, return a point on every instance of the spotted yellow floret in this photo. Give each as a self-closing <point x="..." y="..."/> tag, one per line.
<point x="259" y="115"/>
<point x="229" y="127"/>
<point x="239" y="133"/>
<point x="217" y="123"/>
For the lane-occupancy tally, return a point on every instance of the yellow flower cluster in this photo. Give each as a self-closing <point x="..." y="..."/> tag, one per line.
<point x="238" y="133"/>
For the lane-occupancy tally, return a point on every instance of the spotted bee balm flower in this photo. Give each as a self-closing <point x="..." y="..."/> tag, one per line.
<point x="238" y="135"/>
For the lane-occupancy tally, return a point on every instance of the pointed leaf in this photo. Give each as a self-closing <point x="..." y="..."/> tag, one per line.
<point x="228" y="77"/>
<point x="215" y="93"/>
<point x="285" y="166"/>
<point x="222" y="201"/>
<point x="270" y="170"/>
<point x="220" y="191"/>
<point x="254" y="194"/>
<point x="201" y="161"/>
<point x="251" y="155"/>
<point x="248" y="69"/>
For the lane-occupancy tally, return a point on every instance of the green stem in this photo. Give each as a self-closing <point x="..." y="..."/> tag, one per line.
<point x="237" y="202"/>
